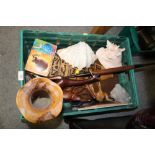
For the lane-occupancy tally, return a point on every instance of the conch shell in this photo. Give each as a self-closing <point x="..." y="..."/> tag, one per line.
<point x="79" y="55"/>
<point x="111" y="56"/>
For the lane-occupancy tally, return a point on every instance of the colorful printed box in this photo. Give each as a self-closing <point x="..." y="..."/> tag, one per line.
<point x="40" y="57"/>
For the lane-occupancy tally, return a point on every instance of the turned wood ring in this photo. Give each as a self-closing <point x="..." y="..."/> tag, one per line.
<point x="33" y="114"/>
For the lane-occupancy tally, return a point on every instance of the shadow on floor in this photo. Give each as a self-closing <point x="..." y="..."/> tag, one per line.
<point x="51" y="124"/>
<point x="107" y="123"/>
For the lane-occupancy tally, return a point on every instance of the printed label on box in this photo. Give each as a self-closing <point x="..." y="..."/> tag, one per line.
<point x="20" y="75"/>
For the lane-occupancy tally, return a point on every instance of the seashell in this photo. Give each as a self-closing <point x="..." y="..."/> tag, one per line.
<point x="120" y="94"/>
<point x="111" y="56"/>
<point x="79" y="55"/>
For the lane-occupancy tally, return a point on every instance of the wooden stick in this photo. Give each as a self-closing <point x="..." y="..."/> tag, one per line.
<point x="104" y="105"/>
<point x="116" y="70"/>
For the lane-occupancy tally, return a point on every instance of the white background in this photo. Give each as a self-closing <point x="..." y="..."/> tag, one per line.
<point x="77" y="12"/>
<point x="77" y="142"/>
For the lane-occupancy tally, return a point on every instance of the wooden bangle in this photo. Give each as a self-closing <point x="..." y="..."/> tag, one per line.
<point x="33" y="114"/>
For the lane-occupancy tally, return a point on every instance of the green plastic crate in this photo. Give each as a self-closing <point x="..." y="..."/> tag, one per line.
<point x="64" y="39"/>
<point x="131" y="33"/>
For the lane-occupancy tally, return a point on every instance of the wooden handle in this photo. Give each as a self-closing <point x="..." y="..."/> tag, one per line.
<point x="114" y="70"/>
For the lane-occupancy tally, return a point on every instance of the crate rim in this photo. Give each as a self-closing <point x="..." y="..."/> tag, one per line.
<point x="72" y="33"/>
